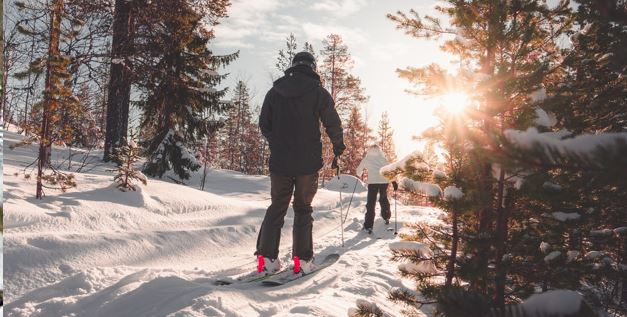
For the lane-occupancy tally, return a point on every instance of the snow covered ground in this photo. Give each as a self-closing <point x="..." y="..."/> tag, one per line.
<point x="96" y="251"/>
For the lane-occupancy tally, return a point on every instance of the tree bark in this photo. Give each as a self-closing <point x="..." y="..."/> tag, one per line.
<point x="450" y="267"/>
<point x="501" y="236"/>
<point x="120" y="78"/>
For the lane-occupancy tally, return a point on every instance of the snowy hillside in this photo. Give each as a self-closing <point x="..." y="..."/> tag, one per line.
<point x="96" y="251"/>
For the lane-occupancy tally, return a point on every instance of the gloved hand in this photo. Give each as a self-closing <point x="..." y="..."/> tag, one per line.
<point x="395" y="185"/>
<point x="334" y="164"/>
<point x="338" y="151"/>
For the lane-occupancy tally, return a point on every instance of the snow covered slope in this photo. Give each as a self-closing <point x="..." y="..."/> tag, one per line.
<point x="96" y="251"/>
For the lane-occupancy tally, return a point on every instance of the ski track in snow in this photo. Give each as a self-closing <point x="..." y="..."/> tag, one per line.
<point x="96" y="251"/>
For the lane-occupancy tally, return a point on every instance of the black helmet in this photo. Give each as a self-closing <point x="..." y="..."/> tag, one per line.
<point x="304" y="58"/>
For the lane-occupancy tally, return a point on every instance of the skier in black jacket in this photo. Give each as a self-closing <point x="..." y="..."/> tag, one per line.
<point x="290" y="121"/>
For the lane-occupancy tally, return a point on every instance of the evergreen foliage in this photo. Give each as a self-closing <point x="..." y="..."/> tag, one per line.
<point x="178" y="87"/>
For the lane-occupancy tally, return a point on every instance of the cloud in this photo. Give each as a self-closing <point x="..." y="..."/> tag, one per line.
<point x="316" y="32"/>
<point x="253" y="20"/>
<point x="340" y="8"/>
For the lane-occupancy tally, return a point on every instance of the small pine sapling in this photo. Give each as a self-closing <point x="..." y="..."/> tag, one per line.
<point x="128" y="155"/>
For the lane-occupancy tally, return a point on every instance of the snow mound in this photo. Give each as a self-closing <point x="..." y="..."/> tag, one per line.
<point x="554" y="303"/>
<point x="345" y="183"/>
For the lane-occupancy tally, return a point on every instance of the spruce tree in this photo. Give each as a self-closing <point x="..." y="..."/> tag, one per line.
<point x="385" y="137"/>
<point x="126" y="174"/>
<point x="575" y="192"/>
<point x="178" y="87"/>
<point x="54" y="114"/>
<point x="236" y="128"/>
<point x="356" y="136"/>
<point x="508" y="48"/>
<point x="345" y="88"/>
<point x="284" y="60"/>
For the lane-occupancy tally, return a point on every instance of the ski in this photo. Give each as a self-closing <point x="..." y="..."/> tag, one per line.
<point x="287" y="276"/>
<point x="242" y="279"/>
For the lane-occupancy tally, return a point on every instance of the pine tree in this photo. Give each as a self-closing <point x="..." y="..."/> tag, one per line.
<point x="52" y="115"/>
<point x="385" y="137"/>
<point x="284" y="60"/>
<point x="128" y="156"/>
<point x="178" y="87"/>
<point x="508" y="48"/>
<point x="575" y="192"/>
<point x="334" y="71"/>
<point x="234" y="134"/>
<point x="356" y="136"/>
<point x="345" y="88"/>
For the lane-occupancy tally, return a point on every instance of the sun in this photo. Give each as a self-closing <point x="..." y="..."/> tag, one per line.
<point x="455" y="102"/>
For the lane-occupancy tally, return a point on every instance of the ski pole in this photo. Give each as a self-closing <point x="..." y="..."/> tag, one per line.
<point x="395" y="215"/>
<point x="337" y="172"/>
<point x="350" y="202"/>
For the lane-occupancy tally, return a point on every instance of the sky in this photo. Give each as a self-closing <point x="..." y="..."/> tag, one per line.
<point x="258" y="29"/>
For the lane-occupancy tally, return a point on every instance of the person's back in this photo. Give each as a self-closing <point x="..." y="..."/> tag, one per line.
<point x="373" y="162"/>
<point x="377" y="184"/>
<point x="290" y="120"/>
<point x="297" y="103"/>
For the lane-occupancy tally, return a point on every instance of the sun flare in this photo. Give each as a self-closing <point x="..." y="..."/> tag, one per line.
<point x="455" y="102"/>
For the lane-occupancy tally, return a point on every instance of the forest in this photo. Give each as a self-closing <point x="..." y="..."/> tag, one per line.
<point x="530" y="173"/>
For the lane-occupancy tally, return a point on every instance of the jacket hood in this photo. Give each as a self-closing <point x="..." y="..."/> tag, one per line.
<point x="298" y="80"/>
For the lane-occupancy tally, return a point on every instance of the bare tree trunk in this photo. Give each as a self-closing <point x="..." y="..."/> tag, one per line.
<point x="501" y="236"/>
<point x="53" y="52"/>
<point x="120" y="78"/>
<point x="450" y="267"/>
<point x="624" y="262"/>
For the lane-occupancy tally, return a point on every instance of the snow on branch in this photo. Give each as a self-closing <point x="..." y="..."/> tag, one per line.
<point x="593" y="149"/>
<point x="452" y="193"/>
<point x="431" y="190"/>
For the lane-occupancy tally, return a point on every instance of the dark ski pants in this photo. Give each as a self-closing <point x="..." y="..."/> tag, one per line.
<point x="373" y="189"/>
<point x="282" y="187"/>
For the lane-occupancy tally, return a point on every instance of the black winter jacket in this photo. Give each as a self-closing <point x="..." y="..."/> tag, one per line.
<point x="290" y="120"/>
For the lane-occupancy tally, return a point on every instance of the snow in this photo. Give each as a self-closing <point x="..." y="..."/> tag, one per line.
<point x="591" y="255"/>
<point x="411" y="246"/>
<point x="605" y="57"/>
<point x="439" y="174"/>
<point x="390" y="170"/>
<point x="586" y="29"/>
<point x="345" y="183"/>
<point x="565" y="216"/>
<point x="543" y="119"/>
<point x="554" y="303"/>
<point x="551" y="186"/>
<point x="423" y="267"/>
<point x="95" y="251"/>
<point x="552" y="256"/>
<point x="584" y="144"/>
<point x="601" y="233"/>
<point x="620" y="230"/>
<point x="431" y="190"/>
<point x="538" y="95"/>
<point x="452" y="193"/>
<point x="572" y="255"/>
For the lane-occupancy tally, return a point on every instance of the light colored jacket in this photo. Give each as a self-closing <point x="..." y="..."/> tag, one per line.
<point x="373" y="162"/>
